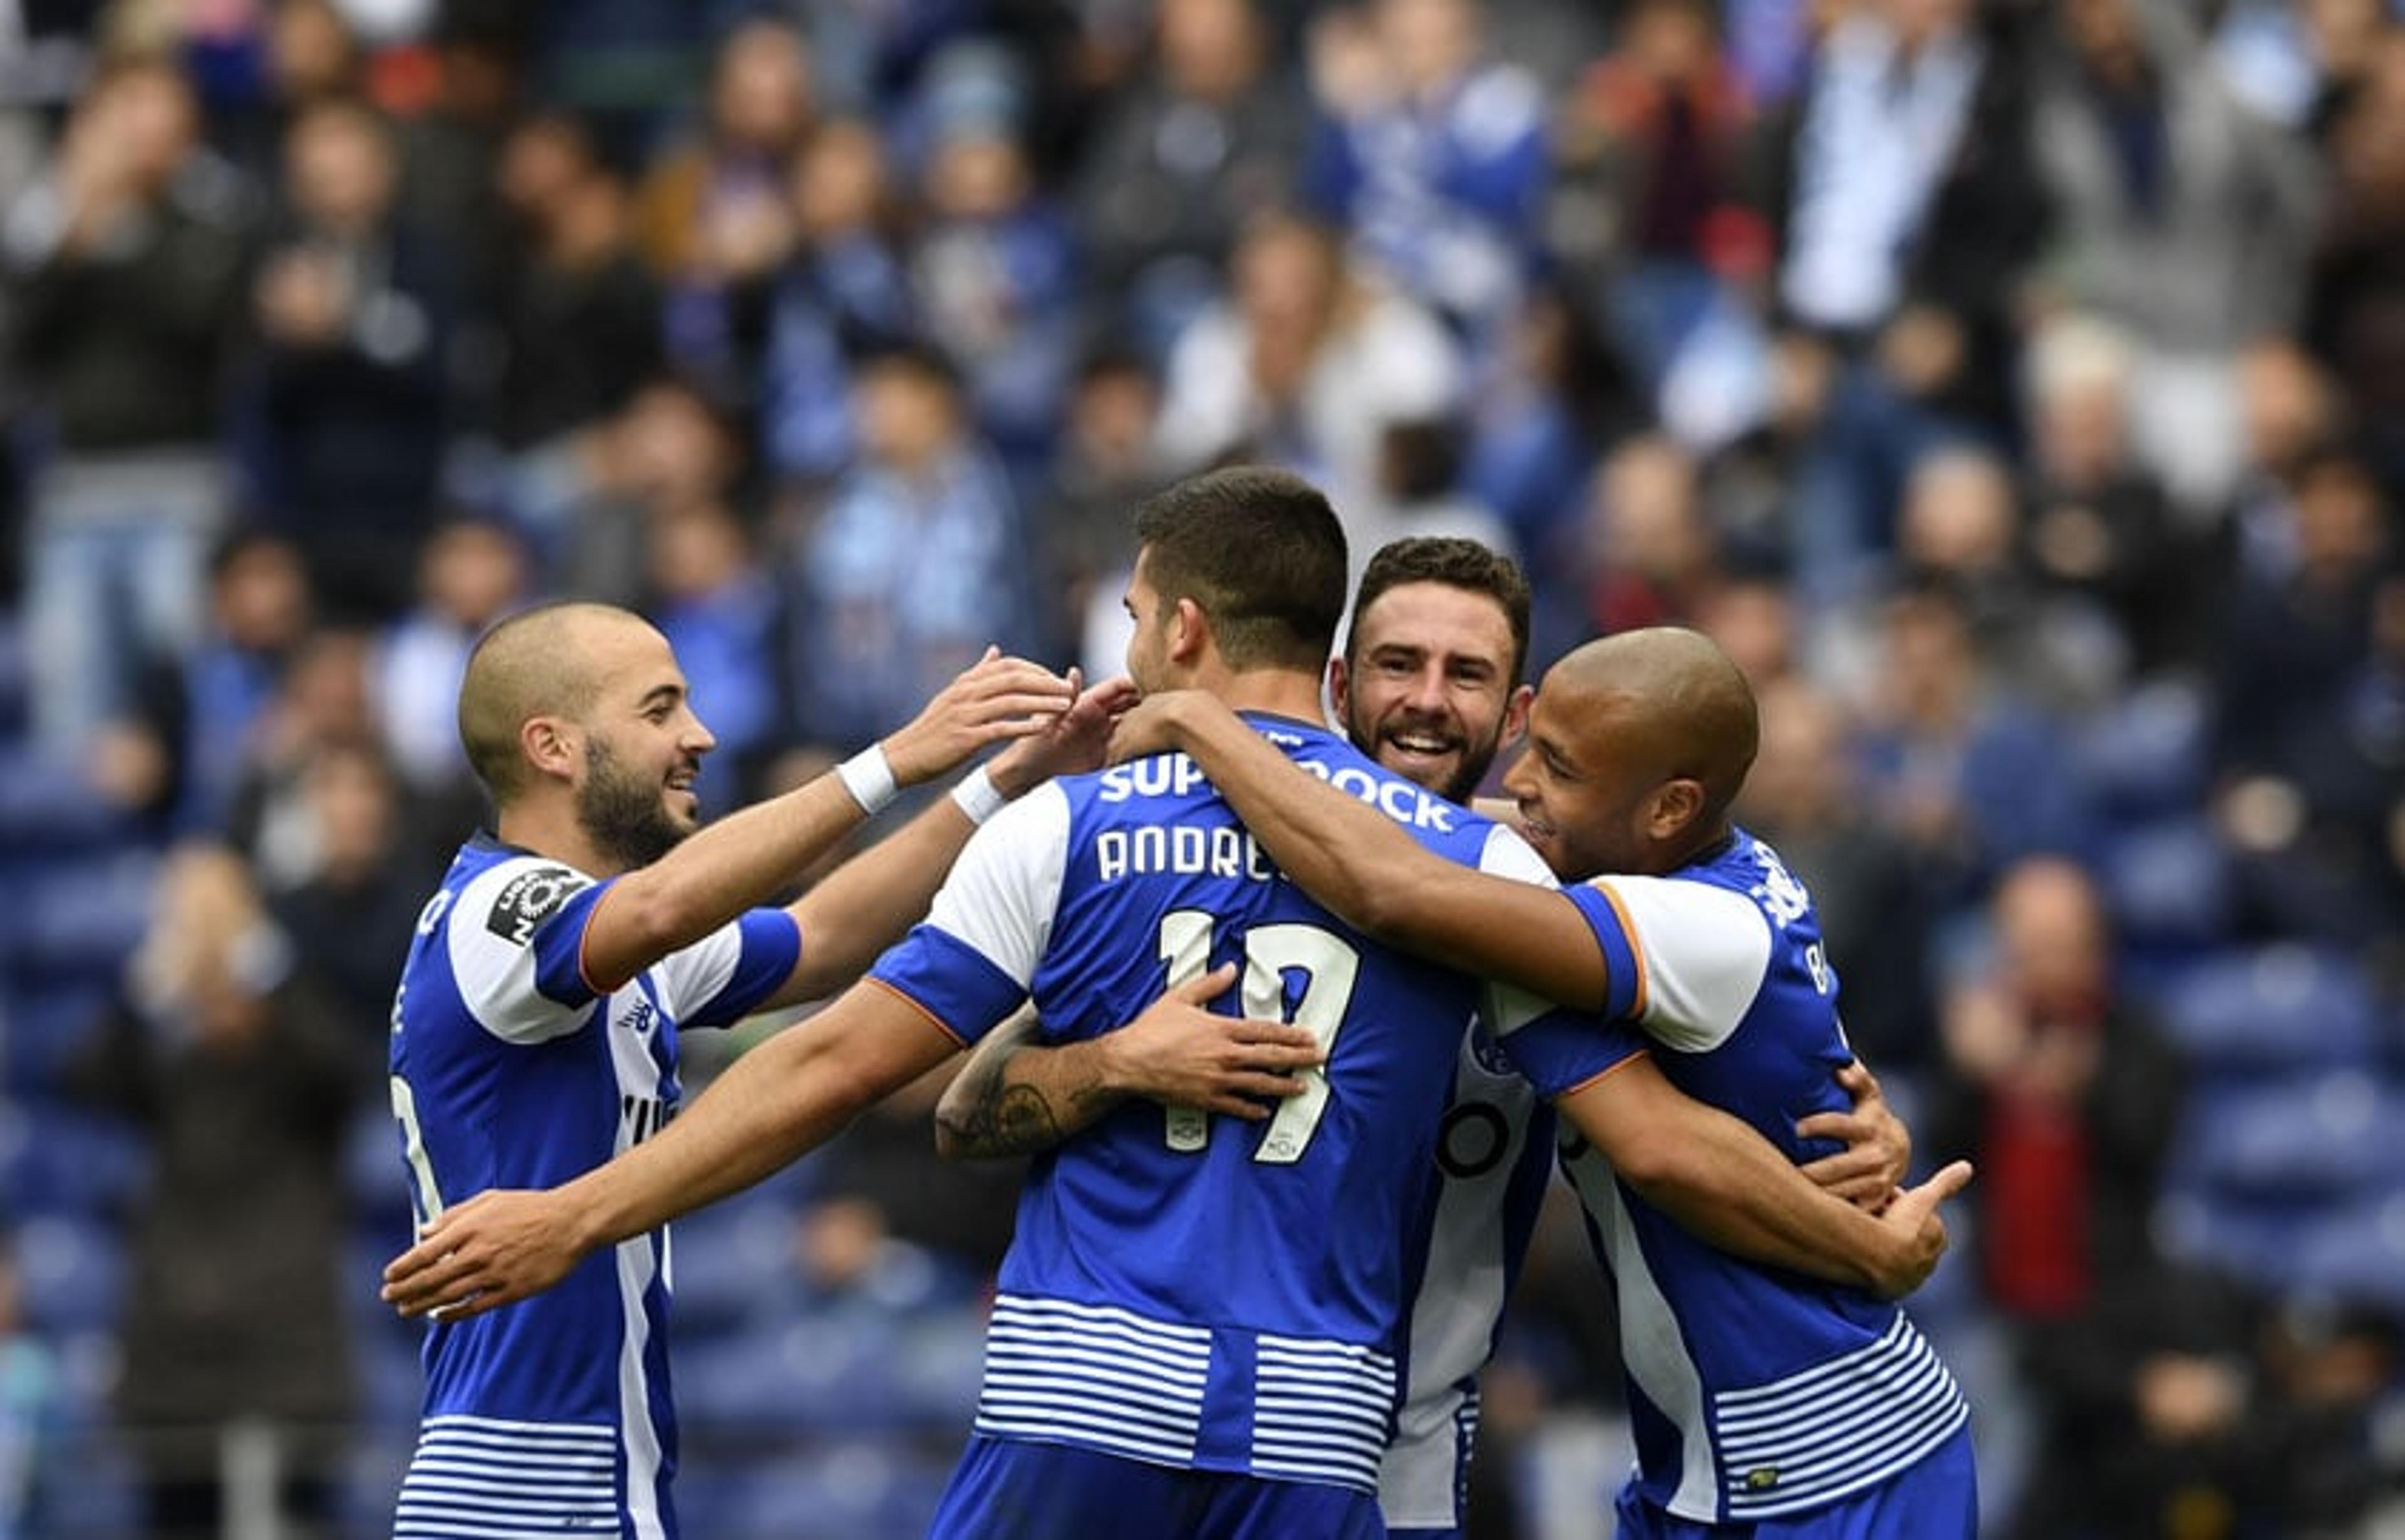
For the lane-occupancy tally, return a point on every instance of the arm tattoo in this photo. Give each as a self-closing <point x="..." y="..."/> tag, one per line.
<point x="1006" y="1120"/>
<point x="1003" y="1117"/>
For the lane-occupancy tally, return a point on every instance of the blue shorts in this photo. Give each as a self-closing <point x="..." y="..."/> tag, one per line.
<point x="1937" y="1499"/>
<point x="1453" y="1533"/>
<point x="1005" y="1489"/>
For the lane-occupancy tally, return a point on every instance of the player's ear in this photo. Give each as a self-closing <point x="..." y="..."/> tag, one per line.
<point x="1677" y="803"/>
<point x="1339" y="686"/>
<point x="549" y="745"/>
<point x="1189" y="629"/>
<point x="1515" y="716"/>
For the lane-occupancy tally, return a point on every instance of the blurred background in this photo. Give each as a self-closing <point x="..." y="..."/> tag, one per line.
<point x="2017" y="388"/>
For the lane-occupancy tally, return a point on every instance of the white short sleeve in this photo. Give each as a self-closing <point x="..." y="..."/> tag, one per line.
<point x="1000" y="898"/>
<point x="1702" y="954"/>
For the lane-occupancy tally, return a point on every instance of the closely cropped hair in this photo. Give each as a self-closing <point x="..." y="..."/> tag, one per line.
<point x="1456" y="563"/>
<point x="1260" y="553"/>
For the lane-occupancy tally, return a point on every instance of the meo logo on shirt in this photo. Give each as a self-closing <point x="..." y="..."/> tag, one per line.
<point x="527" y="899"/>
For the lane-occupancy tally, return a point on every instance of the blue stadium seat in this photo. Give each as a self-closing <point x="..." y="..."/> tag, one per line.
<point x="44" y="1026"/>
<point x="734" y="1265"/>
<point x="49" y="810"/>
<point x="2307" y="1138"/>
<point x="826" y="1370"/>
<point x="2146" y="757"/>
<point x="937" y="1365"/>
<point x="2167" y="882"/>
<point x="2283" y="1006"/>
<point x="72" y="1271"/>
<point x="81" y="918"/>
<point x="2356" y="1254"/>
<point x="2253" y="1242"/>
<point x="57" y="1161"/>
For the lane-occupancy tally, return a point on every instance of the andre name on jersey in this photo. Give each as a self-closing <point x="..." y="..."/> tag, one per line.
<point x="1224" y="850"/>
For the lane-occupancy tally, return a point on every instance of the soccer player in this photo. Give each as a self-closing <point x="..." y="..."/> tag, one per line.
<point x="1429" y="684"/>
<point x="535" y="1031"/>
<point x="1196" y="1329"/>
<point x="1763" y="1401"/>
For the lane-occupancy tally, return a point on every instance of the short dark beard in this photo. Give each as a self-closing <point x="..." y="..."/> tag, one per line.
<point x="1465" y="782"/>
<point x="621" y="814"/>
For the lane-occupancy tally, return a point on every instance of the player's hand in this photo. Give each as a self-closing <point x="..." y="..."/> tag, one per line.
<point x="1178" y="1053"/>
<point x="1918" y="1230"/>
<point x="494" y="1249"/>
<point x="1069" y="744"/>
<point x="1155" y="723"/>
<point x="994" y="698"/>
<point x="1871" y="1168"/>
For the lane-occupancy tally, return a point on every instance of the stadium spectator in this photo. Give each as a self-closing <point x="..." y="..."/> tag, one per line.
<point x="1652" y="157"/>
<point x="2200" y="250"/>
<point x="472" y="573"/>
<point x="354" y="315"/>
<point x="244" y="1082"/>
<point x="2099" y="524"/>
<point x="578" y="323"/>
<point x="2065" y="1093"/>
<point x="127" y="260"/>
<point x="207" y="716"/>
<point x="844" y="292"/>
<point x="2304" y="754"/>
<point x="1965" y="768"/>
<point x="1538" y="417"/>
<point x="1864" y="880"/>
<point x="1108" y="462"/>
<point x="1432" y="154"/>
<point x="322" y="699"/>
<point x="712" y="211"/>
<point x="720" y="609"/>
<point x="353" y="912"/>
<point x="1647" y="553"/>
<point x="1305" y="365"/>
<point x="1212" y="130"/>
<point x="995" y="264"/>
<point x="917" y="561"/>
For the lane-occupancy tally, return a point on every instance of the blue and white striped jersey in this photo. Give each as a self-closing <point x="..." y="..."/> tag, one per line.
<point x="1755" y="1393"/>
<point x="1494" y="1154"/>
<point x="552" y="1415"/>
<point x="1187" y="1291"/>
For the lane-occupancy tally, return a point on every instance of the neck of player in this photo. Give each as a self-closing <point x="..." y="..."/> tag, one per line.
<point x="1280" y="692"/>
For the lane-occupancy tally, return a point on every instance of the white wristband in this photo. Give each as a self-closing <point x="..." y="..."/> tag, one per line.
<point x="978" y="796"/>
<point x="870" y="778"/>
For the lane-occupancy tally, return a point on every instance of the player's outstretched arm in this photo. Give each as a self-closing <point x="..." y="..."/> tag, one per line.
<point x="1727" y="1185"/>
<point x="776" y="1102"/>
<point x="1016" y="1096"/>
<point x="742" y="859"/>
<point x="1366" y="868"/>
<point x="866" y="904"/>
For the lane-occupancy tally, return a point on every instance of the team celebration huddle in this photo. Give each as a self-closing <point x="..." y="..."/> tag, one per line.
<point x="1297" y="1027"/>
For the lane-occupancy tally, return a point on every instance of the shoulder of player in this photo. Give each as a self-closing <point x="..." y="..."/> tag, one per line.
<point x="514" y="894"/>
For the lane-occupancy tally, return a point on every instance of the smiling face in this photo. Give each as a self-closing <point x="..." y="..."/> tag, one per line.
<point x="642" y="748"/>
<point x="1425" y="687"/>
<point x="1585" y="796"/>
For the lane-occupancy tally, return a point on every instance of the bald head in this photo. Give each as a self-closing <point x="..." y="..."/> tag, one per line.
<point x="542" y="662"/>
<point x="1673" y="699"/>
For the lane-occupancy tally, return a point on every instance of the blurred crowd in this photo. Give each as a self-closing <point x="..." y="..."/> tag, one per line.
<point x="2016" y="387"/>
